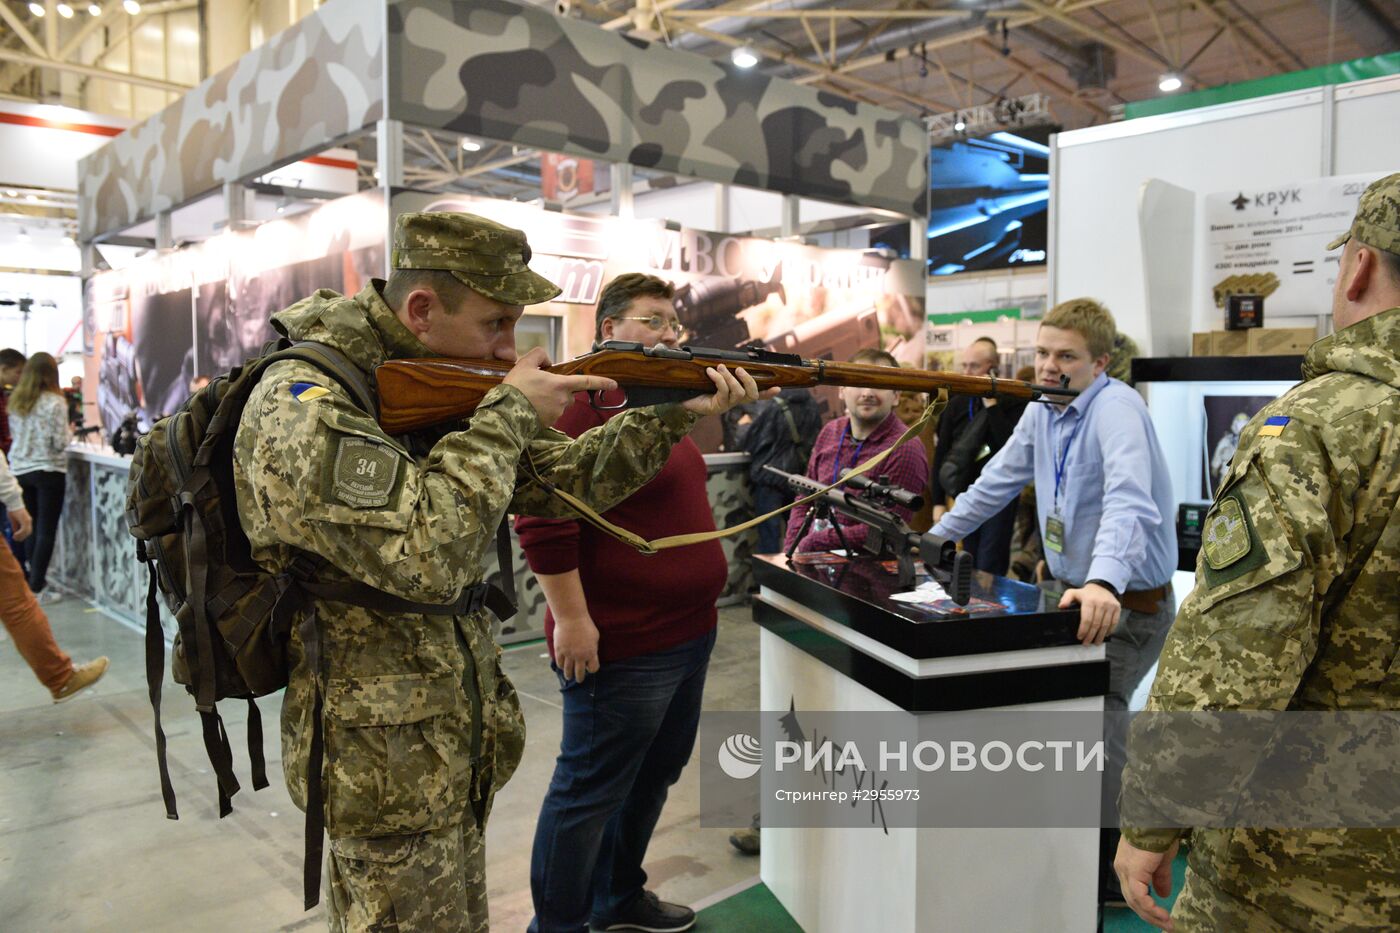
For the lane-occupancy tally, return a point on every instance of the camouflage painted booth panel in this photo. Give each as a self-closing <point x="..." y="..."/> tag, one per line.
<point x="497" y="69"/>
<point x="307" y="86"/>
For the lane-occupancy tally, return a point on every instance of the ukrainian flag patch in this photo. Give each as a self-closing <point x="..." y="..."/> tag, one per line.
<point x="1274" y="426"/>
<point x="308" y="391"/>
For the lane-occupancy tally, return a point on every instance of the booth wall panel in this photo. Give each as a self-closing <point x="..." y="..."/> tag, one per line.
<point x="309" y="85"/>
<point x="1098" y="251"/>
<point x="518" y="73"/>
<point x="1367" y="136"/>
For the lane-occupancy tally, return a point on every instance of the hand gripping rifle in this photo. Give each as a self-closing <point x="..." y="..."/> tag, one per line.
<point x="888" y="537"/>
<point x="415" y="394"/>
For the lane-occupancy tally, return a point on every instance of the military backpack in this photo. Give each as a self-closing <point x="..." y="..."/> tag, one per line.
<point x="234" y="618"/>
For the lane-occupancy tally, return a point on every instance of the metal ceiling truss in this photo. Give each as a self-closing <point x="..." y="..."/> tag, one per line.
<point x="24" y="52"/>
<point x="860" y="50"/>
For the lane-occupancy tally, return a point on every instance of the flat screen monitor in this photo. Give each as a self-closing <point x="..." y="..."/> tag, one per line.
<point x="989" y="197"/>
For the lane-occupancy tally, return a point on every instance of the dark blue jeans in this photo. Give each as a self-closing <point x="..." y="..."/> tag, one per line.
<point x="628" y="732"/>
<point x="771" y="532"/>
<point x="990" y="544"/>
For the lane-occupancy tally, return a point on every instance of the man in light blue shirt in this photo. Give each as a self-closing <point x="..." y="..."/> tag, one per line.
<point x="1104" y="500"/>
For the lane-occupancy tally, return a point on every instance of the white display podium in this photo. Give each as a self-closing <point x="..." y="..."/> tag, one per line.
<point x="834" y="641"/>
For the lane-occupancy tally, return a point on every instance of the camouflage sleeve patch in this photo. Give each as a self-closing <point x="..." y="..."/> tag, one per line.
<point x="1245" y="541"/>
<point x="357" y="477"/>
<point x="1227" y="539"/>
<point x="363" y="473"/>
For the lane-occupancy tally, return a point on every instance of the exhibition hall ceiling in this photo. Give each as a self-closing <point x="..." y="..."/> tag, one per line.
<point x="918" y="56"/>
<point x="1086" y="56"/>
<point x="1080" y="60"/>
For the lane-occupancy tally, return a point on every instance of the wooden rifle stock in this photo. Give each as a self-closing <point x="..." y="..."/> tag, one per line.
<point x="416" y="394"/>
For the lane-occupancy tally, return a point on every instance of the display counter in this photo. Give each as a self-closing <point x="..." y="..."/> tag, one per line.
<point x="96" y="558"/>
<point x="833" y="639"/>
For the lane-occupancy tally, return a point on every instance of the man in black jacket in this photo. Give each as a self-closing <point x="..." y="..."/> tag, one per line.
<point x="782" y="434"/>
<point x="970" y="432"/>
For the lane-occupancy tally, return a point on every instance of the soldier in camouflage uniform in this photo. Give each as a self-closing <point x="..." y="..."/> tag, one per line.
<point x="421" y="726"/>
<point x="1295" y="609"/>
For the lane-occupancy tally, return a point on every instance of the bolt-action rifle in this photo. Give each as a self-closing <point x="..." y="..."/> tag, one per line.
<point x="416" y="394"/>
<point x="887" y="537"/>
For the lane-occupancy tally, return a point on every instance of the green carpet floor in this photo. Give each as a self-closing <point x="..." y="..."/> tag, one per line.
<point x="756" y="909"/>
<point x="753" y="909"/>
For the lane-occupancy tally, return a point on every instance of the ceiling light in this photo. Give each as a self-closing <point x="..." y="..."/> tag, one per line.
<point x="37" y="9"/>
<point x="94" y="10"/>
<point x="743" y="57"/>
<point x="470" y="145"/>
<point x="31" y="197"/>
<point x="960" y="124"/>
<point x="11" y="193"/>
<point x="1169" y="83"/>
<point x="64" y="10"/>
<point x="131" y="6"/>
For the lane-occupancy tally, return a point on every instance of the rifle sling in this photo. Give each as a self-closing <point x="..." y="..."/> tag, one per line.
<point x="661" y="544"/>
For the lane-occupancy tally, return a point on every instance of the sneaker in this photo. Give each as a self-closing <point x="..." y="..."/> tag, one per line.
<point x="745" y="840"/>
<point x="83" y="676"/>
<point x="48" y="596"/>
<point x="651" y="914"/>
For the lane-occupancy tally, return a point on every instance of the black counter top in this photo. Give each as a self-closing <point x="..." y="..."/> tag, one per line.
<point x="1217" y="369"/>
<point x="857" y="594"/>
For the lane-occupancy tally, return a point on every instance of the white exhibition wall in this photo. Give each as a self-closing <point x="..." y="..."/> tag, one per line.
<point x="54" y="324"/>
<point x="1098" y="175"/>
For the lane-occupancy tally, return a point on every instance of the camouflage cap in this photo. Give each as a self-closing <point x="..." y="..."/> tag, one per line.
<point x="487" y="257"/>
<point x="1377" y="221"/>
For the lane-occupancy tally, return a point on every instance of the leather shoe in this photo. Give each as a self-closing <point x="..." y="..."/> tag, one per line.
<point x="651" y="914"/>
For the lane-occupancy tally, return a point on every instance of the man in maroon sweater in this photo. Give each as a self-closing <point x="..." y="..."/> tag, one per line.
<point x="631" y="638"/>
<point x="870" y="426"/>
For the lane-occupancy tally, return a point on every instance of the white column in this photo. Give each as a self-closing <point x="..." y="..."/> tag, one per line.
<point x="165" y="231"/>
<point x="622" y="204"/>
<point x="918" y="238"/>
<point x="792" y="215"/>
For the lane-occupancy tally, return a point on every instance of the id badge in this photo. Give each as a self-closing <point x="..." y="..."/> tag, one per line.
<point x="1055" y="534"/>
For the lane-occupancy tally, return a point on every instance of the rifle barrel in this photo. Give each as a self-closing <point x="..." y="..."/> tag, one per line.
<point x="415" y="394"/>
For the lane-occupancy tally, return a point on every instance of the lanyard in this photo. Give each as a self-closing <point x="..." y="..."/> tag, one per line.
<point x="836" y="469"/>
<point x="1064" y="456"/>
<point x="970" y="409"/>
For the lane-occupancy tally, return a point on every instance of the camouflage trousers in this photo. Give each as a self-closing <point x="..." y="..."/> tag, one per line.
<point x="1205" y="907"/>
<point x="434" y="881"/>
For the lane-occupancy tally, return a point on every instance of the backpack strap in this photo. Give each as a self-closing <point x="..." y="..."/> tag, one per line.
<point x="503" y="601"/>
<point x="155" y="673"/>
<point x="299" y="592"/>
<point x="196" y="542"/>
<point x="791" y="421"/>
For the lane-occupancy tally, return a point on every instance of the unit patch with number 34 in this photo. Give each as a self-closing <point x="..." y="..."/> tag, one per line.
<point x="364" y="472"/>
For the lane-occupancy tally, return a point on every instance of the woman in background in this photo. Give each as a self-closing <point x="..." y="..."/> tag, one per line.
<point x="39" y="460"/>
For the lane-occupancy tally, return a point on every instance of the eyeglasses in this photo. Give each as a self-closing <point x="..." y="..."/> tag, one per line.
<point x="657" y="322"/>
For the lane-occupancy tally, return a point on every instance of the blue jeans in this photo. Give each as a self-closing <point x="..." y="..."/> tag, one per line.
<point x="991" y="543"/>
<point x="628" y="733"/>
<point x="771" y="532"/>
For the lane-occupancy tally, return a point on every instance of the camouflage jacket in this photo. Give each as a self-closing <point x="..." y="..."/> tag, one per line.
<point x="1295" y="608"/>
<point x="420" y="721"/>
